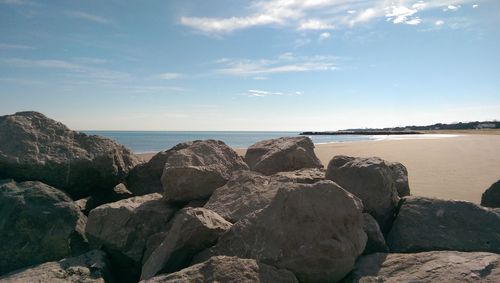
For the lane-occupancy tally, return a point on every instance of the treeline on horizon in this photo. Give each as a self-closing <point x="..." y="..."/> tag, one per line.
<point x="438" y="126"/>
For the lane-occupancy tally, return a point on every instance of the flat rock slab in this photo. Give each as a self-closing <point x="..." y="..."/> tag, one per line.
<point x="34" y="147"/>
<point x="38" y="223"/>
<point x="427" y="267"/>
<point x="228" y="270"/>
<point x="91" y="267"/>
<point x="283" y="154"/>
<point x="314" y="230"/>
<point x="427" y="224"/>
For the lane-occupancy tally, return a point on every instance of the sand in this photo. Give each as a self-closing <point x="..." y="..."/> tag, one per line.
<point x="459" y="168"/>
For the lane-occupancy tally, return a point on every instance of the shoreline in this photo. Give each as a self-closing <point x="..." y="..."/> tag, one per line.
<point x="460" y="168"/>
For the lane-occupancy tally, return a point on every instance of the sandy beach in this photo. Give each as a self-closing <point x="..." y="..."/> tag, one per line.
<point x="459" y="167"/>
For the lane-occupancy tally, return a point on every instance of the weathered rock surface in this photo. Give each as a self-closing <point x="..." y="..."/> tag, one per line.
<point x="427" y="267"/>
<point x="282" y="154"/>
<point x="303" y="176"/>
<point x="91" y="267"/>
<point x="193" y="230"/>
<point x="122" y="229"/>
<point x="400" y="177"/>
<point x="371" y="180"/>
<point x="376" y="242"/>
<point x="314" y="230"/>
<point x="426" y="224"/>
<point x="491" y="197"/>
<point x="196" y="170"/>
<point x="228" y="270"/>
<point x="34" y="147"/>
<point x="38" y="223"/>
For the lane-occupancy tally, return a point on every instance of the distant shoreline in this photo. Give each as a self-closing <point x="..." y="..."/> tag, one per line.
<point x="364" y="133"/>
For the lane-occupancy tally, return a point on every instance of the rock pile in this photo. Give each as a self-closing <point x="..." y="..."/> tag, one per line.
<point x="198" y="212"/>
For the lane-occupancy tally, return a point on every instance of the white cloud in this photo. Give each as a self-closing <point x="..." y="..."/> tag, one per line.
<point x="285" y="63"/>
<point x="325" y="35"/>
<point x="264" y="93"/>
<point x="403" y="14"/>
<point x="170" y="76"/>
<point x="452" y="8"/>
<point x="315" y="24"/>
<point x="414" y="21"/>
<point x="218" y="25"/>
<point x="475" y="6"/>
<point x="50" y="64"/>
<point x="439" y="23"/>
<point x="260" y="78"/>
<point x="88" y="17"/>
<point x="15" y="46"/>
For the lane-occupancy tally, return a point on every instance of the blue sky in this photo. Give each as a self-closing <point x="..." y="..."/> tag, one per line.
<point x="250" y="65"/>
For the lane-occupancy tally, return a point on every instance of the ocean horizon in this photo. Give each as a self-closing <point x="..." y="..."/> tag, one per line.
<point x="155" y="141"/>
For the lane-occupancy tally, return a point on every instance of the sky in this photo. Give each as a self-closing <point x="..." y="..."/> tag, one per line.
<point x="251" y="65"/>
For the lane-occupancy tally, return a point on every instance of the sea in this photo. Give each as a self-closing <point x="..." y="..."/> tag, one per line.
<point x="154" y="141"/>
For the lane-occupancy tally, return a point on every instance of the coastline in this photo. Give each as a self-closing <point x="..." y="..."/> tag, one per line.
<point x="459" y="167"/>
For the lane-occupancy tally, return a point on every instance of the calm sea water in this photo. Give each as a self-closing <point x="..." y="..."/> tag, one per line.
<point x="145" y="141"/>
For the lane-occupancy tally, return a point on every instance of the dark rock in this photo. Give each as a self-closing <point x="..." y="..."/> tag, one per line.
<point x="427" y="267"/>
<point x="282" y="154"/>
<point x="119" y="192"/>
<point x="34" y="147"/>
<point x="228" y="270"/>
<point x="400" y="177"/>
<point x="122" y="229"/>
<point x="91" y="267"/>
<point x="376" y="242"/>
<point x="38" y="223"/>
<point x="195" y="171"/>
<point x="491" y="197"/>
<point x="193" y="229"/>
<point x="426" y="224"/>
<point x="371" y="180"/>
<point x="314" y="230"/>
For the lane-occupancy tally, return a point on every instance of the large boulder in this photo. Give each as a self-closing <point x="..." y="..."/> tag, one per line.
<point x="376" y="242"/>
<point x="34" y="147"/>
<point x="282" y="154"/>
<point x="192" y="230"/>
<point x="228" y="270"/>
<point x="195" y="171"/>
<point x="400" y="177"/>
<point x="426" y="224"/>
<point x="303" y="176"/>
<point x="122" y="229"/>
<point x="427" y="267"/>
<point x="371" y="180"/>
<point x="91" y="267"/>
<point x="38" y="223"/>
<point x="491" y="197"/>
<point x="145" y="178"/>
<point x="314" y="230"/>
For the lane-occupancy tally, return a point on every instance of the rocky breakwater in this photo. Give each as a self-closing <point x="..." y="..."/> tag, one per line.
<point x="198" y="212"/>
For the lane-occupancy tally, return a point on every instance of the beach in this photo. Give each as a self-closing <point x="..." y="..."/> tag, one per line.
<point x="460" y="167"/>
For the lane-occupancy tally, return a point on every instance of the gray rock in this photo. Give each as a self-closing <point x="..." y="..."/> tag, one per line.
<point x="303" y="176"/>
<point x="122" y="229"/>
<point x="283" y="154"/>
<point x="145" y="178"/>
<point x="427" y="267"/>
<point x="34" y="147"/>
<point x="371" y="180"/>
<point x="376" y="242"/>
<point x="491" y="197"/>
<point x="194" y="172"/>
<point x="314" y="230"/>
<point x="193" y="229"/>
<point x="38" y="223"/>
<point x="426" y="224"/>
<point x="227" y="270"/>
<point x="400" y="177"/>
<point x="91" y="267"/>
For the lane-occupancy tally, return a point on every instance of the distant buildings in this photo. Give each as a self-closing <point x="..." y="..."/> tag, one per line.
<point x="486" y="126"/>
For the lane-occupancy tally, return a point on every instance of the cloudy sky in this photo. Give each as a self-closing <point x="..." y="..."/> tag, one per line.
<point x="251" y="65"/>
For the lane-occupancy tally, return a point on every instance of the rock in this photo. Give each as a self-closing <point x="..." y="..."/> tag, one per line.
<point x="303" y="176"/>
<point x="376" y="242"/>
<point x="195" y="171"/>
<point x="38" y="223"/>
<point x="145" y="178"/>
<point x="228" y="270"/>
<point x="91" y="267"/>
<point x="371" y="180"/>
<point x="122" y="229"/>
<point x="193" y="230"/>
<point x="426" y="224"/>
<point x="491" y="197"/>
<point x="119" y="192"/>
<point x="427" y="267"/>
<point x="34" y="147"/>
<point x="282" y="154"/>
<point x="314" y="230"/>
<point x="400" y="177"/>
